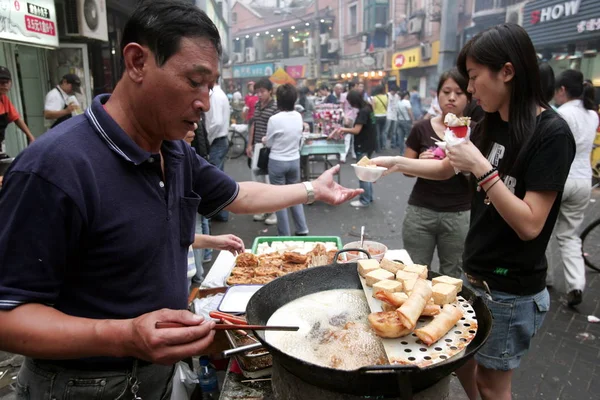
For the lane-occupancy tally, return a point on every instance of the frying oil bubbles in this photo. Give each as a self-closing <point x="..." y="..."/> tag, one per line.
<point x="334" y="331"/>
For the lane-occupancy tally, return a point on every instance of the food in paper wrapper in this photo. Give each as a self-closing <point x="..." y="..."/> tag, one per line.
<point x="459" y="126"/>
<point x="378" y="275"/>
<point x="279" y="259"/>
<point x="391" y="266"/>
<point x="366" y="266"/>
<point x="387" y="286"/>
<point x="440" y="325"/>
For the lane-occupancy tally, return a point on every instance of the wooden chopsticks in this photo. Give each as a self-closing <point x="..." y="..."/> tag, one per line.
<point x="227" y="327"/>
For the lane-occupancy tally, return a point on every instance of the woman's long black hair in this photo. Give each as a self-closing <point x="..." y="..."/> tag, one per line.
<point x="493" y="48"/>
<point x="356" y="100"/>
<point x="576" y="88"/>
<point x="303" y="92"/>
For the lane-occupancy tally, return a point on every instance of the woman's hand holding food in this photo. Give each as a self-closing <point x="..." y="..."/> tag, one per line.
<point x="467" y="158"/>
<point x="391" y="163"/>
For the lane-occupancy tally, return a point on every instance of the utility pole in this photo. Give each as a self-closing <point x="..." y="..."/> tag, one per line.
<point x="448" y="34"/>
<point x="318" y="39"/>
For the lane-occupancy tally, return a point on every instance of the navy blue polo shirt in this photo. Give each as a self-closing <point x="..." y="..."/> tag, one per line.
<point x="89" y="226"/>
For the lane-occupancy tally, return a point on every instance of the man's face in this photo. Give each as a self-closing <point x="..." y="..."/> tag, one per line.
<point x="251" y="88"/>
<point x="338" y="91"/>
<point x="178" y="91"/>
<point x="263" y="95"/>
<point x="5" y="85"/>
<point x="361" y="87"/>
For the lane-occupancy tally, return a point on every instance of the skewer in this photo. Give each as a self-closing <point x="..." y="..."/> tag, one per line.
<point x="256" y="380"/>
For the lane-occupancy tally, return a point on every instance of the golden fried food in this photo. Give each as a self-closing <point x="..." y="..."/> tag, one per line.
<point x="295" y="258"/>
<point x="246" y="260"/>
<point x="261" y="280"/>
<point x="387" y="324"/>
<point x="365" y="162"/>
<point x="331" y="256"/>
<point x="238" y="280"/>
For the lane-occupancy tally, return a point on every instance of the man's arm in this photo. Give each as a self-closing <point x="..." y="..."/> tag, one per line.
<point x="249" y="148"/>
<point x="39" y="331"/>
<point x="23" y="126"/>
<point x="254" y="197"/>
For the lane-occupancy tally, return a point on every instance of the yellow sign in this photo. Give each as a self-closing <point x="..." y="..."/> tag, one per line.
<point x="412" y="58"/>
<point x="281" y="77"/>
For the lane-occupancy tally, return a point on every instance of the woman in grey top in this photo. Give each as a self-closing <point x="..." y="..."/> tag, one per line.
<point x="309" y="107"/>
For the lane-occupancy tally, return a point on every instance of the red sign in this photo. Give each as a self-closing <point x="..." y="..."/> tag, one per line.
<point x="38" y="25"/>
<point x="399" y="60"/>
<point x="295" y="71"/>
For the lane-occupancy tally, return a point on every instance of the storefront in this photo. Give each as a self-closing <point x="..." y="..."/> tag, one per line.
<point x="28" y="30"/>
<point x="566" y="34"/>
<point x="417" y="67"/>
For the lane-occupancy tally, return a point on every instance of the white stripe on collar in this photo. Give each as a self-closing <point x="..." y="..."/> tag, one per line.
<point x="104" y="136"/>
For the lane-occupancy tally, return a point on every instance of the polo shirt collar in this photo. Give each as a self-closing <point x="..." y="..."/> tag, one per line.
<point x="116" y="138"/>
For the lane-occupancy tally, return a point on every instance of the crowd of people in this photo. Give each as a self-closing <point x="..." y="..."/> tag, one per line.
<point x="101" y="215"/>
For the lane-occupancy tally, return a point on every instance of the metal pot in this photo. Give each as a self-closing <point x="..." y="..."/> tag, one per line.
<point x="386" y="380"/>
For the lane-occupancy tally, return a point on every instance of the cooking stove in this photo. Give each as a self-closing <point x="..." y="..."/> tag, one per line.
<point x="287" y="386"/>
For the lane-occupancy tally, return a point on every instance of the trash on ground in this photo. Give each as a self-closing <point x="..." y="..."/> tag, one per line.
<point x="593" y="319"/>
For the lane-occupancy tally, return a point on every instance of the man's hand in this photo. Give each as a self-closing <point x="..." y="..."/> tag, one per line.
<point x="230" y="243"/>
<point x="328" y="191"/>
<point x="249" y="151"/>
<point x="168" y="345"/>
<point x="70" y="108"/>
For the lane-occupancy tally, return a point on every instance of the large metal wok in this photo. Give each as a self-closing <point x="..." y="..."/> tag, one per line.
<point x="386" y="380"/>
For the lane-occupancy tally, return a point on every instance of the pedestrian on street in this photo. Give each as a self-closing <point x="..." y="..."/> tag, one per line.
<point x="249" y="103"/>
<point x="61" y="102"/>
<point x="380" y="102"/>
<point x="309" y="108"/>
<point x="284" y="134"/>
<point x="415" y="102"/>
<point x="391" y="117"/>
<point x="217" y="128"/>
<point x="576" y="105"/>
<point x="519" y="159"/>
<point x="437" y="216"/>
<point x="365" y="140"/>
<point x="350" y="114"/>
<point x="98" y="215"/>
<point x="265" y="109"/>
<point x="405" y="121"/>
<point x="8" y="112"/>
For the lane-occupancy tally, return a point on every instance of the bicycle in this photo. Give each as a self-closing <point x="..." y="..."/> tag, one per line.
<point x="590" y="245"/>
<point x="237" y="141"/>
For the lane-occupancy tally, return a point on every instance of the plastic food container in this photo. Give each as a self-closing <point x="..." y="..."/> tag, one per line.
<point x="376" y="249"/>
<point x="368" y="174"/>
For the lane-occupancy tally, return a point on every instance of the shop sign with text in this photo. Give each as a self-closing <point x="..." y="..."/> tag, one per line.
<point x="560" y="22"/>
<point x="253" y="71"/>
<point x="32" y="22"/>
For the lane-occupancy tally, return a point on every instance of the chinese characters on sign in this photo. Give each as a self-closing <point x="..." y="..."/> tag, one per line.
<point x="590" y="25"/>
<point x="250" y="71"/>
<point x="32" y="22"/>
<point x="39" y="25"/>
<point x="38" y="11"/>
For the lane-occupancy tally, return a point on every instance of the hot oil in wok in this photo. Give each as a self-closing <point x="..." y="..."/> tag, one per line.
<point x="334" y="331"/>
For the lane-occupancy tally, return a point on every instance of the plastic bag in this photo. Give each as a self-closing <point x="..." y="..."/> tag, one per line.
<point x="184" y="382"/>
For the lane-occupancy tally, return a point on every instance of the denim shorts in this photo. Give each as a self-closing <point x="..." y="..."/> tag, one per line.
<point x="516" y="319"/>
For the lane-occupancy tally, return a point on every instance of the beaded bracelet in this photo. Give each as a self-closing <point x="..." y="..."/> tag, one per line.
<point x="482" y="177"/>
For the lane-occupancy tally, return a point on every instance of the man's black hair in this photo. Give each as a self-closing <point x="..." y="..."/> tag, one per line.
<point x="263" y="83"/>
<point x="161" y="24"/>
<point x="286" y="97"/>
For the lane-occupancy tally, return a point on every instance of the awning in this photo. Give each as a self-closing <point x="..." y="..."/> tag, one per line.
<point x="280" y="77"/>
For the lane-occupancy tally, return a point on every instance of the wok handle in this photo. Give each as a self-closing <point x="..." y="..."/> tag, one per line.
<point x="380" y="369"/>
<point x="242" y="349"/>
<point x="335" y="258"/>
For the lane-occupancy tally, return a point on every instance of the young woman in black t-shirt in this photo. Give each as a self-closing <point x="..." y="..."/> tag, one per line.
<point x="438" y="212"/>
<point x="365" y="140"/>
<point x="519" y="158"/>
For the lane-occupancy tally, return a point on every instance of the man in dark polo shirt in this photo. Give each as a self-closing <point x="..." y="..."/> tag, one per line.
<point x="96" y="218"/>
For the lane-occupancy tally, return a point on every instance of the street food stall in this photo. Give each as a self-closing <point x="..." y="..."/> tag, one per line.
<point x="339" y="350"/>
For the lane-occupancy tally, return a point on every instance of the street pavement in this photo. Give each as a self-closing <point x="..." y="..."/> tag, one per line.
<point x="564" y="361"/>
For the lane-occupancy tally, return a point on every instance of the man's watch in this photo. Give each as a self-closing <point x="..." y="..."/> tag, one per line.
<point x="310" y="192"/>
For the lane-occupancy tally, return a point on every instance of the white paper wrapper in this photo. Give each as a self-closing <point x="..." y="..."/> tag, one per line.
<point x="451" y="140"/>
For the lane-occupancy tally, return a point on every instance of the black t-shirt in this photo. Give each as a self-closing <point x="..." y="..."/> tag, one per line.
<point x="493" y="251"/>
<point x="451" y="195"/>
<point x="365" y="141"/>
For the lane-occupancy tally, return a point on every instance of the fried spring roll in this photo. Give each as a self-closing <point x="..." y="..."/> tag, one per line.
<point x="388" y="324"/>
<point x="429" y="311"/>
<point x="412" y="308"/>
<point x="440" y="325"/>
